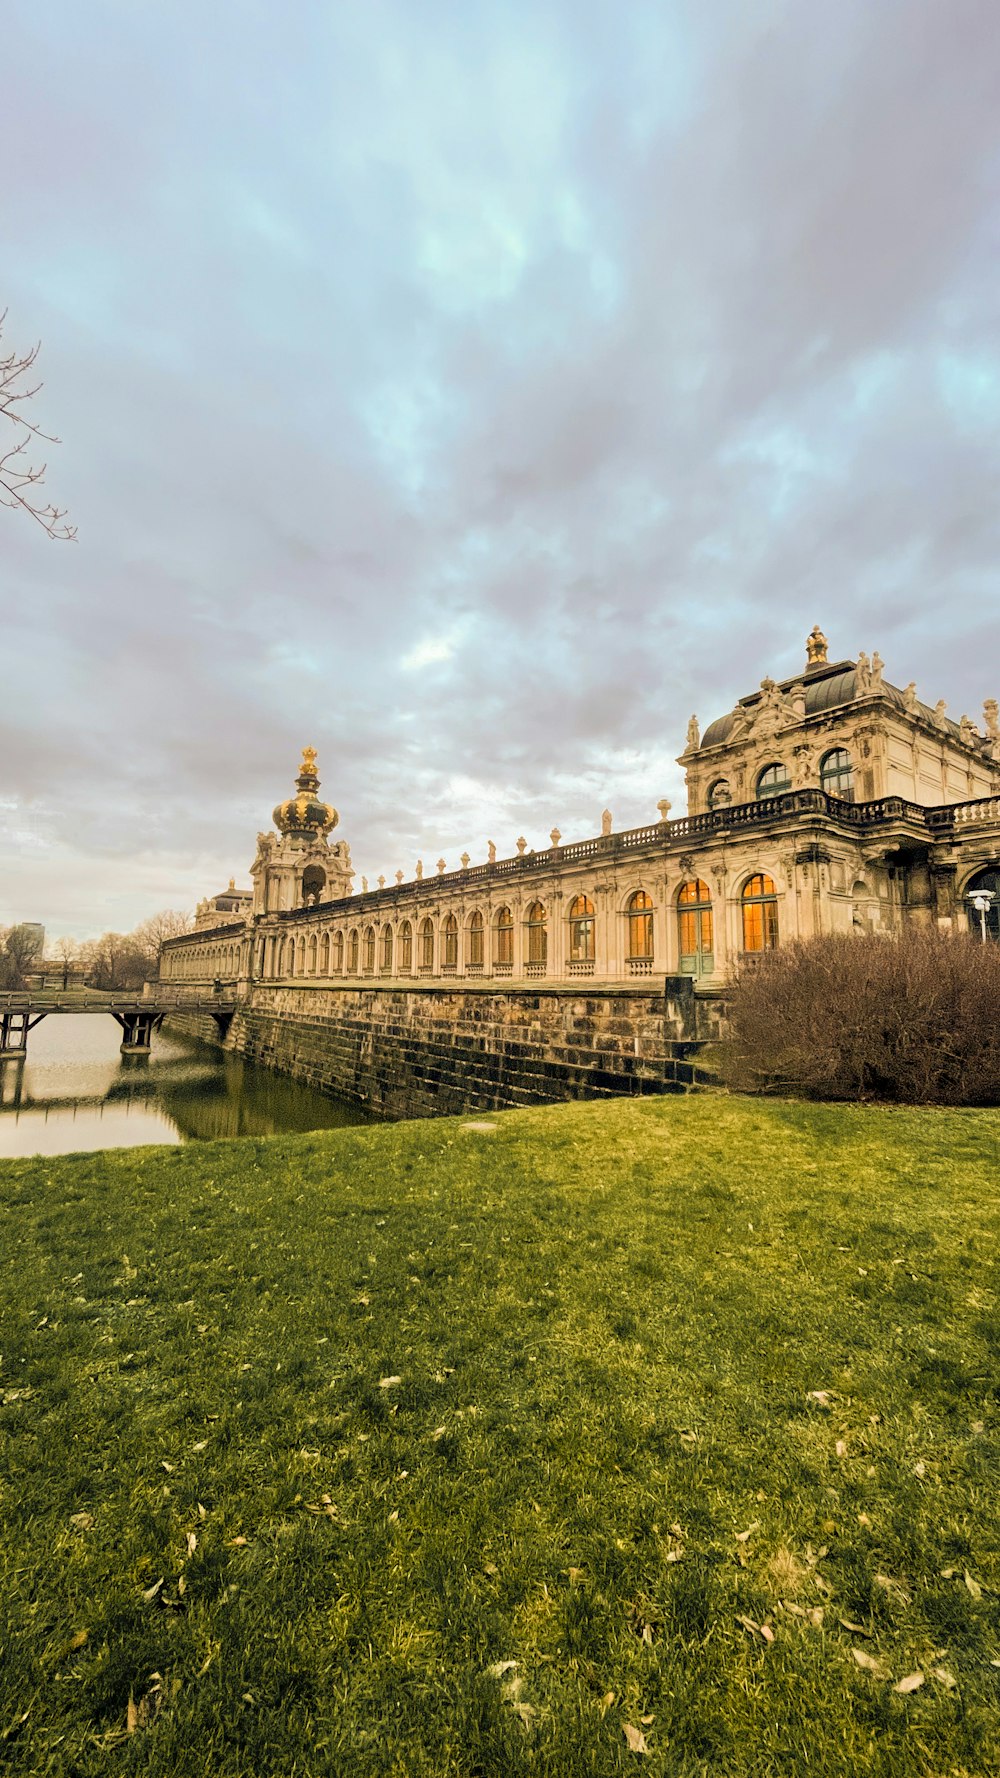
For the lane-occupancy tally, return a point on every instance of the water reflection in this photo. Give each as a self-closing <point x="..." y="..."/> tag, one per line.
<point x="74" y="1091"/>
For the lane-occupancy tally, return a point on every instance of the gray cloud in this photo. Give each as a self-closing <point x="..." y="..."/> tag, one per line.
<point x="473" y="394"/>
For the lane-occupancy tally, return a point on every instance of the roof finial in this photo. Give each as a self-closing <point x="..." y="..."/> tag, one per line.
<point x="815" y="647"/>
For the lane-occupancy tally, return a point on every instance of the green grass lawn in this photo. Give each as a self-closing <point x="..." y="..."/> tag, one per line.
<point x="435" y="1450"/>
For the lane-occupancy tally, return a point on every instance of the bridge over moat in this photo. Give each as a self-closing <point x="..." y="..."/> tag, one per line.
<point x="139" y="1015"/>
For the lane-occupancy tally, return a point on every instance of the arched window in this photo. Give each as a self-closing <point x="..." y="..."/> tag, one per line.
<point x="694" y="927"/>
<point x="581" y="930"/>
<point x="338" y="954"/>
<point x="324" y="955"/>
<point x="474" y="939"/>
<point x="352" y="951"/>
<point x="640" y="927"/>
<point x="313" y="951"/>
<point x="984" y="921"/>
<point x="836" y="775"/>
<point x="387" y="947"/>
<point x="503" y="938"/>
<point x="719" y="794"/>
<point x="369" y="950"/>
<point x="760" y="914"/>
<point x="537" y="941"/>
<point x="449" y="933"/>
<point x="300" y="964"/>
<point x="405" y="948"/>
<point x="427" y="943"/>
<point x="773" y="781"/>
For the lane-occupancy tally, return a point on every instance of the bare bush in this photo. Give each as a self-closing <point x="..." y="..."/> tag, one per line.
<point x="913" y="1019"/>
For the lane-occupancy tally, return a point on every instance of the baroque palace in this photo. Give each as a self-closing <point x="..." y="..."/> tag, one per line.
<point x="831" y="802"/>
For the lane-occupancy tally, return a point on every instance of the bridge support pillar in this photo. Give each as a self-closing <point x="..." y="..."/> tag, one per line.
<point x="137" y="1031"/>
<point x="14" y="1028"/>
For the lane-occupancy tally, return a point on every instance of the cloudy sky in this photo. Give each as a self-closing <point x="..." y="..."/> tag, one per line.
<point x="472" y="392"/>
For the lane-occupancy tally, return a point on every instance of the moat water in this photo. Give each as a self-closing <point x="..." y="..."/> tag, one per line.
<point x="75" y="1091"/>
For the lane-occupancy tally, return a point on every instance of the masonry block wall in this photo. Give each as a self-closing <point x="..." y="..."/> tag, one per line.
<point x="404" y="1052"/>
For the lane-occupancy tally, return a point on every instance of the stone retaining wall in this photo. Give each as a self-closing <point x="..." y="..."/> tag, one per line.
<point x="413" y="1052"/>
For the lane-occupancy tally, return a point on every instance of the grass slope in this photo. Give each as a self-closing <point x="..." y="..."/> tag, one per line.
<point x="300" y="1438"/>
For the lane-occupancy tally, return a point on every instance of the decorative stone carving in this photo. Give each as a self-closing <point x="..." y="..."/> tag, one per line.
<point x="381" y="882"/>
<point x="466" y="861"/>
<point x="440" y="867"/>
<point x="554" y="837"/>
<point x="969" y="731"/>
<point x="772" y="711"/>
<point x="862" y="675"/>
<point x="521" y="844"/>
<point x="364" y="885"/>
<point x="399" y="876"/>
<point x="420" y="870"/>
<point x="664" y="807"/>
<point x="910" y="698"/>
<point x="816" y="646"/>
<point x="991" y="712"/>
<point x="606" y="823"/>
<point x="877" y="667"/>
<point x="491" y="851"/>
<point x="693" y="734"/>
<point x="685" y="863"/>
<point x="940" y="716"/>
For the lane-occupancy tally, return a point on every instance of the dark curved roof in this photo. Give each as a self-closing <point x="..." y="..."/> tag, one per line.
<point x="824" y="691"/>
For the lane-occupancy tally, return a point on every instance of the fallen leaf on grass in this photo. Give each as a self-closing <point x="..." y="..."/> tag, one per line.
<point x="237" y="1543"/>
<point x="869" y="1663"/>
<point x="646" y="1720"/>
<point x="389" y="1382"/>
<point x="635" y="1738"/>
<point x="751" y="1624"/>
<point x="490" y="1568"/>
<point x="606" y="1702"/>
<point x="841" y="1448"/>
<point x="973" y="1586"/>
<point x="78" y="1639"/>
<point x="150" y="1592"/>
<point x="82" y="1521"/>
<point x="855" y="1629"/>
<point x="821" y="1397"/>
<point x="895" y="1589"/>
<point x="201" y="1445"/>
<point x="909" y="1683"/>
<point x="192" y="1542"/>
<point x="499" y="1668"/>
<point x="944" y="1677"/>
<point x="742" y="1536"/>
<point x="525" y="1712"/>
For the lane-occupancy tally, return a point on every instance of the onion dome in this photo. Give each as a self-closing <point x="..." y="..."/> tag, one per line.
<point x="304" y="816"/>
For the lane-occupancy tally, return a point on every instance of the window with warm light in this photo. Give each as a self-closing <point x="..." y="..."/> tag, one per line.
<point x="537" y="939"/>
<point x="760" y="914"/>
<point x="640" y="926"/>
<point x="475" y="937"/>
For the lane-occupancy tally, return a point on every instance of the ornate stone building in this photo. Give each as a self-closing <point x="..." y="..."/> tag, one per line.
<point x="833" y="801"/>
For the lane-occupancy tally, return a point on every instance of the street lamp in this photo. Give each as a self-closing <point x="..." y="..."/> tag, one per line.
<point x="982" y="900"/>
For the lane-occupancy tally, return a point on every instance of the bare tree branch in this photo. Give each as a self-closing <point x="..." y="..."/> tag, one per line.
<point x="18" y="476"/>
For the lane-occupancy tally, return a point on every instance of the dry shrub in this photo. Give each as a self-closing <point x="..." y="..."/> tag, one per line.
<point x="913" y="1019"/>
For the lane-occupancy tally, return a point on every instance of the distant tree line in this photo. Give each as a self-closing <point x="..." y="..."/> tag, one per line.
<point x="115" y="960"/>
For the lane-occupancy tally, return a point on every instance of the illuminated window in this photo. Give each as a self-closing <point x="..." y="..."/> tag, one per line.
<point x="773" y="781"/>
<point x="427" y="944"/>
<point x="640" y="926"/>
<point x="450" y="935"/>
<point x="581" y="930"/>
<point x="537" y="940"/>
<point x="836" y="775"/>
<point x="503" y="936"/>
<point x="760" y="915"/>
<point x="719" y="794"/>
<point x="475" y="934"/>
<point x="405" y="948"/>
<point x="387" y="947"/>
<point x="694" y="921"/>
<point x="352" y="951"/>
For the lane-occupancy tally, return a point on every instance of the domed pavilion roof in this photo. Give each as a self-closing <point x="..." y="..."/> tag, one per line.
<point x="304" y="816"/>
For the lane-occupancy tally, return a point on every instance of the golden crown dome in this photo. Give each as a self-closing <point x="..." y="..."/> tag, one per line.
<point x="303" y="815"/>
